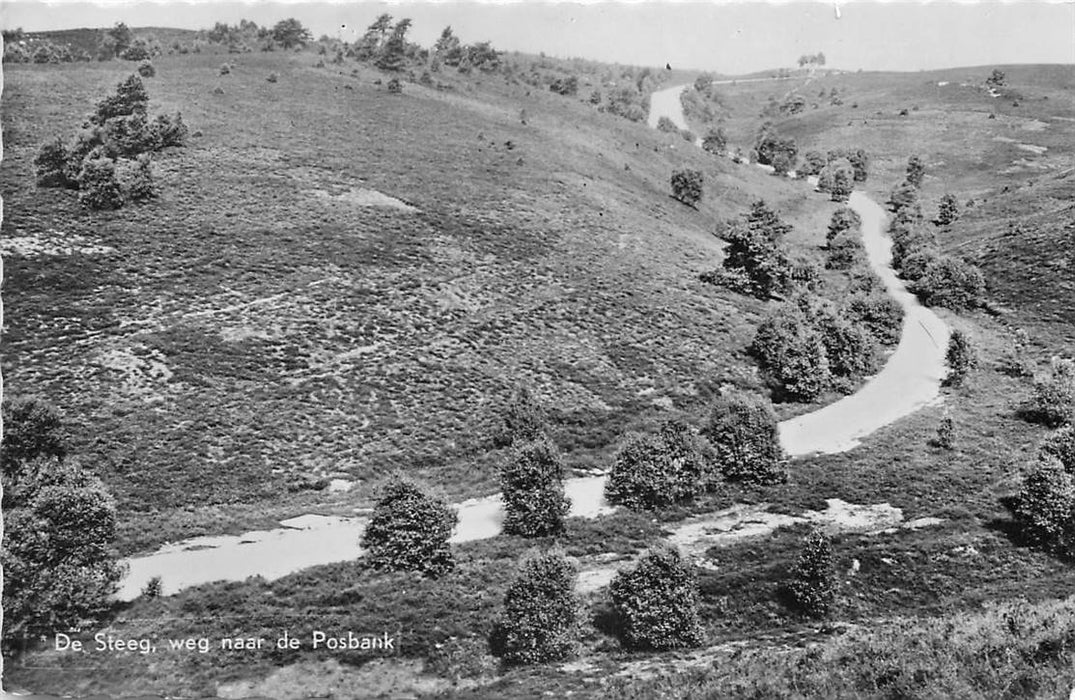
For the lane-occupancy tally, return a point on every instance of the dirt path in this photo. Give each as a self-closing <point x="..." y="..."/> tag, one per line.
<point x="910" y="380"/>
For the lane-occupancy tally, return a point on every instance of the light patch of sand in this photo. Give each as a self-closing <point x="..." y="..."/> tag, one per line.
<point x="51" y="243"/>
<point x="1032" y="148"/>
<point x="142" y="368"/>
<point x="328" y="678"/>
<point x="362" y="197"/>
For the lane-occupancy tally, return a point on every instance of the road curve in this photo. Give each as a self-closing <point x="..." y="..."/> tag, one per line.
<point x="910" y="379"/>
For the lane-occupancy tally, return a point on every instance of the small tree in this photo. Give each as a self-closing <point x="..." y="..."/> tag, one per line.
<point x="130" y="98"/>
<point x="666" y="125"/>
<point x="948" y="212"/>
<point x="860" y="163"/>
<point x="290" y="33"/>
<point x="844" y="252"/>
<point x="879" y="313"/>
<point x="755" y="251"/>
<point x="946" y="433"/>
<point x="843" y="219"/>
<point x="658" y="603"/>
<point x="98" y="187"/>
<point x="393" y="54"/>
<point x="687" y="186"/>
<point x="841" y="188"/>
<point x="531" y="485"/>
<point x="540" y="620"/>
<point x="812" y="588"/>
<point x="50" y="165"/>
<point x="409" y="530"/>
<point x="950" y="282"/>
<point x="1045" y="507"/>
<point x="916" y="170"/>
<point x="996" y="78"/>
<point x="742" y="430"/>
<point x="146" y="69"/>
<point x="961" y="358"/>
<point x="653" y="471"/>
<point x="715" y="141"/>
<point x="1053" y="400"/>
<point x="903" y="197"/>
<point x="792" y="354"/>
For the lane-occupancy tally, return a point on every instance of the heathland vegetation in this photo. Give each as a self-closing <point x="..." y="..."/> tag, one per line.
<point x="299" y="321"/>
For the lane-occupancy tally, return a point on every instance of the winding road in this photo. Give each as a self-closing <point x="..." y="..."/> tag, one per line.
<point x="910" y="380"/>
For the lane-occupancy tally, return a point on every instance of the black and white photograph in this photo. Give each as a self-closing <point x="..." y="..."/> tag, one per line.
<point x="512" y="350"/>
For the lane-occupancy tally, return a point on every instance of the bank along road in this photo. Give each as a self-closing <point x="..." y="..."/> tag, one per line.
<point x="909" y="380"/>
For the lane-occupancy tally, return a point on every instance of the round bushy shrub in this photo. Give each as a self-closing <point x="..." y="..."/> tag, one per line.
<point x="1061" y="446"/>
<point x="960" y="357"/>
<point x="409" y="530"/>
<point x="394" y="86"/>
<point x="531" y="485"/>
<point x="50" y="165"/>
<point x="687" y="186"/>
<point x="1053" y="401"/>
<point x="715" y="141"/>
<point x="843" y="219"/>
<point x="130" y="98"/>
<point x="844" y="252"/>
<point x="98" y="187"/>
<point x="540" y="620"/>
<point x="652" y="471"/>
<point x="657" y="602"/>
<point x="1045" y="506"/>
<point x="273" y="77"/>
<point x="146" y="69"/>
<point x="225" y="68"/>
<point x="946" y="433"/>
<point x="850" y="350"/>
<point x="523" y="419"/>
<point x="667" y="125"/>
<point x="879" y="313"/>
<point x="916" y="170"/>
<point x="948" y="211"/>
<point x="950" y="282"/>
<point x="136" y="179"/>
<point x="742" y="430"/>
<point x="812" y="587"/>
<point x="170" y="131"/>
<point x="791" y="352"/>
<point x="128" y="136"/>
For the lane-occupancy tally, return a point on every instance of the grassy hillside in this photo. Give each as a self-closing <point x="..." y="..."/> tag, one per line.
<point x="257" y="328"/>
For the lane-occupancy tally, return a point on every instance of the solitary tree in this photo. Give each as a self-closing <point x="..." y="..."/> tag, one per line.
<point x="393" y="56"/>
<point x="948" y="212"/>
<point x="742" y="429"/>
<point x="658" y="602"/>
<point x="996" y="78"/>
<point x="916" y="170"/>
<point x="812" y="587"/>
<point x="687" y="186"/>
<point x="290" y="33"/>
<point x="960" y="357"/>
<point x="540" y="619"/>
<point x="531" y="485"/>
<point x="448" y="48"/>
<point x="409" y="530"/>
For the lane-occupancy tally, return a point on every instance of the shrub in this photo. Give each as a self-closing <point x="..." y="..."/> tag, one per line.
<point x="146" y="69"/>
<point x="841" y="188"/>
<point x="881" y="314"/>
<point x="946" y="433"/>
<point x="32" y="429"/>
<point x="153" y="588"/>
<point x="813" y="163"/>
<point x="273" y="77"/>
<point x="1053" y="400"/>
<point x="653" y="471"/>
<point x="127" y="136"/>
<point x="97" y="184"/>
<point x="903" y="196"/>
<point x="523" y="419"/>
<point x="781" y="153"/>
<point x="715" y="141"/>
<point x="951" y="283"/>
<point x="948" y="212"/>
<point x="1016" y="360"/>
<point x="908" y="240"/>
<point x="860" y="162"/>
<point x="1061" y="446"/>
<point x="565" y="86"/>
<point x="812" y="588"/>
<point x="225" y="69"/>
<point x="791" y="353"/>
<point x="657" y="602"/>
<point x="136" y="179"/>
<point x="170" y="131"/>
<point x="130" y="98"/>
<point x="687" y="186"/>
<point x="688" y="135"/>
<point x="961" y="358"/>
<point x="394" y="86"/>
<point x="755" y="250"/>
<point x="850" y="350"/>
<point x="916" y="170"/>
<point x="1045" y="507"/>
<point x="50" y="165"/>
<point x="844" y="252"/>
<point x="531" y="484"/>
<point x="843" y="219"/>
<point x="742" y="431"/>
<point x="667" y="126"/>
<point x="409" y="530"/>
<point x="540" y="620"/>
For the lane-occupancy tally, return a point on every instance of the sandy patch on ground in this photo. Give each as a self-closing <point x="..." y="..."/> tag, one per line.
<point x="142" y="368"/>
<point x="1032" y="148"/>
<point x="362" y="197"/>
<point x="330" y="679"/>
<point x="52" y="242"/>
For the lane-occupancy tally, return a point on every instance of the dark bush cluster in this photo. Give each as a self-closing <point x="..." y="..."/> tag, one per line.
<point x="409" y="530"/>
<point x="715" y="141"/>
<point x="687" y="186"/>
<point x="837" y="178"/>
<point x="657" y="603"/>
<point x="109" y="160"/>
<point x="812" y="587"/>
<point x="568" y="86"/>
<point x="531" y="485"/>
<point x="540" y="620"/>
<point x="742" y="431"/>
<point x="878" y="313"/>
<point x="654" y="471"/>
<point x="18" y="50"/>
<point x="1053" y="400"/>
<point x="779" y="152"/>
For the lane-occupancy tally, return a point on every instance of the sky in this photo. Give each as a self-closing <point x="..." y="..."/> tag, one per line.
<point x="727" y="37"/>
